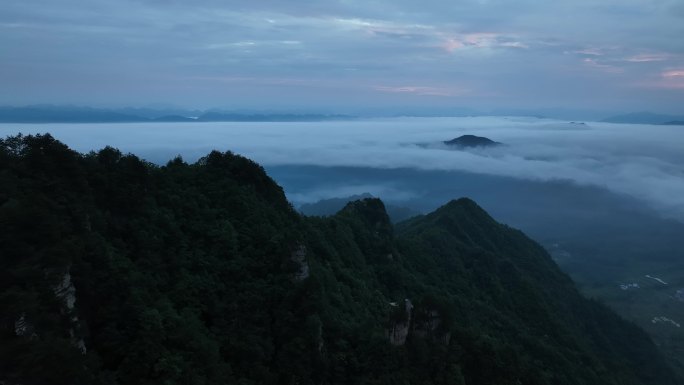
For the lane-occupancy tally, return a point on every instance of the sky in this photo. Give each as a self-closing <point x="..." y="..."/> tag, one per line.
<point x="345" y="55"/>
<point x="617" y="157"/>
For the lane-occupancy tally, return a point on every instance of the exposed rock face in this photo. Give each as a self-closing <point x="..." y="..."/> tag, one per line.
<point x="23" y="328"/>
<point x="299" y="257"/>
<point x="427" y="326"/>
<point x="418" y="322"/>
<point x="399" y="330"/>
<point x="66" y="291"/>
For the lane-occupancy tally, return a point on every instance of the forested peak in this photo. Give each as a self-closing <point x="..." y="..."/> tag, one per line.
<point x="460" y="217"/>
<point x="371" y="212"/>
<point x="243" y="171"/>
<point x="372" y="209"/>
<point x="462" y="207"/>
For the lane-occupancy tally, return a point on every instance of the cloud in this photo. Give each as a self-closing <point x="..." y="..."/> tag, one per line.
<point x="669" y="79"/>
<point x="645" y="58"/>
<point x="145" y="51"/>
<point x="590" y="51"/>
<point x="421" y="90"/>
<point x="593" y="63"/>
<point x="638" y="160"/>
<point x="675" y="73"/>
<point x="486" y="40"/>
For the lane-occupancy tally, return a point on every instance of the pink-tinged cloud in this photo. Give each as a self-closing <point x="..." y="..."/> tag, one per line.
<point x="450" y="45"/>
<point x="645" y="58"/>
<point x="480" y="40"/>
<point x="662" y="84"/>
<point x="676" y="73"/>
<point x="672" y="79"/>
<point x="602" y="66"/>
<point x="514" y="44"/>
<point x="266" y="81"/>
<point x="590" y="51"/>
<point x="421" y="90"/>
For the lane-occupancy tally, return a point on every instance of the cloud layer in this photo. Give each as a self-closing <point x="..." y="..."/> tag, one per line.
<point x="642" y="161"/>
<point x="598" y="54"/>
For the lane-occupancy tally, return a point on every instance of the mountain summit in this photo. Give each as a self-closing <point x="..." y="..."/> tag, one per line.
<point x="466" y="141"/>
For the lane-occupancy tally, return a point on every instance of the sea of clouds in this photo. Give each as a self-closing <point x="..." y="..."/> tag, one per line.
<point x="643" y="161"/>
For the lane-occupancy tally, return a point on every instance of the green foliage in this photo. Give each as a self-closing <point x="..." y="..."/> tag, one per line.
<point x="190" y="274"/>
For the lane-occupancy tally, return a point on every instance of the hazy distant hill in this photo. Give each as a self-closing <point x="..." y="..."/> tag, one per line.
<point x="471" y="141"/>
<point x="674" y="123"/>
<point x="213" y="116"/>
<point x="174" y="118"/>
<point x="65" y="114"/>
<point x="53" y="114"/>
<point x="643" y="118"/>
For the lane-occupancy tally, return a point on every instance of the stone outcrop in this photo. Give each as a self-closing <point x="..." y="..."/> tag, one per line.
<point x="66" y="291"/>
<point x="399" y="330"/>
<point x="427" y="326"/>
<point x="299" y="257"/>
<point x="23" y="328"/>
<point x="417" y="322"/>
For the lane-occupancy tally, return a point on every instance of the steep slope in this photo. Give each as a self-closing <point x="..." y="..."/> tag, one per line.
<point x="506" y="285"/>
<point x="116" y="271"/>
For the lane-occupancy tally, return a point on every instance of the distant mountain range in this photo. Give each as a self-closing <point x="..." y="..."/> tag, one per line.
<point x="75" y="114"/>
<point x="59" y="114"/>
<point x="646" y="118"/>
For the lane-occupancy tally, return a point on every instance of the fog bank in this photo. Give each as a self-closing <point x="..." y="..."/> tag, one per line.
<point x="643" y="161"/>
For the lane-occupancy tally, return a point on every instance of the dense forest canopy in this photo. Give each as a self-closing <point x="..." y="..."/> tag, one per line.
<point x="117" y="271"/>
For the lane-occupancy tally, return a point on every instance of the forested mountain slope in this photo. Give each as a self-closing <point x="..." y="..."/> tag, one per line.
<point x="116" y="271"/>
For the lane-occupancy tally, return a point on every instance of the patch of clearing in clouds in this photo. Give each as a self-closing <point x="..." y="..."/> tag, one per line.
<point x="643" y="161"/>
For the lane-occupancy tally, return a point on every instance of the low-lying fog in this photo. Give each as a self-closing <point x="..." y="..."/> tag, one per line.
<point x="642" y="161"/>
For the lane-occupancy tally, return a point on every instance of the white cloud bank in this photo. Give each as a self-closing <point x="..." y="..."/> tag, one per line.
<point x="643" y="161"/>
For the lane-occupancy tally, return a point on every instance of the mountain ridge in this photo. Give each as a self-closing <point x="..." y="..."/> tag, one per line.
<point x="204" y="273"/>
<point x="58" y="114"/>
